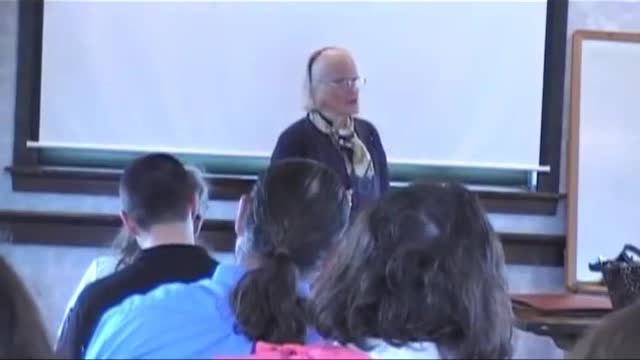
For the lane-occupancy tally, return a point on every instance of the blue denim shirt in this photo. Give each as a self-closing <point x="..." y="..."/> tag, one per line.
<point x="176" y="321"/>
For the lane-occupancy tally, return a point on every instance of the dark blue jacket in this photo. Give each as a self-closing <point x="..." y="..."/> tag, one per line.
<point x="303" y="140"/>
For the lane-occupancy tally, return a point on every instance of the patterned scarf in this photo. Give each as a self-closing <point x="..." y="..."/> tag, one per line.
<point x="346" y="138"/>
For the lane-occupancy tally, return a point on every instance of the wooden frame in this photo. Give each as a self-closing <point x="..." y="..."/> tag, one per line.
<point x="30" y="172"/>
<point x="99" y="230"/>
<point x="573" y="153"/>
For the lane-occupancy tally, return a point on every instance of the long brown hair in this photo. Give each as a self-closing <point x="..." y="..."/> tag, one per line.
<point x="423" y="265"/>
<point x="22" y="332"/>
<point x="298" y="208"/>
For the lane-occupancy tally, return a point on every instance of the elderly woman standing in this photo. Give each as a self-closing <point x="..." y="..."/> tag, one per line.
<point x="331" y="134"/>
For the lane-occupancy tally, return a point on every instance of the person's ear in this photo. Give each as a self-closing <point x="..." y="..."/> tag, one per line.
<point x="198" y="220"/>
<point x="244" y="206"/>
<point x="194" y="206"/>
<point x="129" y="224"/>
<point x="195" y="210"/>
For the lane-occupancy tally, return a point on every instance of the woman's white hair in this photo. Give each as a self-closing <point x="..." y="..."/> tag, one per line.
<point x="307" y="86"/>
<point x="307" y="94"/>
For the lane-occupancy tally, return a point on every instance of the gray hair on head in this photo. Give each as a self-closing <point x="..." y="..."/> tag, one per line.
<point x="307" y="95"/>
<point x="309" y="103"/>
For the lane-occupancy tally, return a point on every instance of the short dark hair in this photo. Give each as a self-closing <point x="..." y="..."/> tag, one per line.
<point x="22" y="333"/>
<point x="298" y="208"/>
<point x="421" y="265"/>
<point x="127" y="245"/>
<point x="156" y="189"/>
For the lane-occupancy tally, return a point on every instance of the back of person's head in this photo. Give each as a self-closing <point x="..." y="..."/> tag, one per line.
<point x="422" y="265"/>
<point x="127" y="245"/>
<point x="295" y="212"/>
<point x="616" y="337"/>
<point x="22" y="333"/>
<point x="156" y="189"/>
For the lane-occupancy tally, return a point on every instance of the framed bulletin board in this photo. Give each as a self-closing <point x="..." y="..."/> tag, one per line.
<point x="604" y="152"/>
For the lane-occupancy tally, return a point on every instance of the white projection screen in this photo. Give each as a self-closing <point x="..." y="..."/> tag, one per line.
<point x="447" y="81"/>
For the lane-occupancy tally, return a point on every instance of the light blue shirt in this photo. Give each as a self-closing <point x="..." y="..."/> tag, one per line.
<point x="175" y="321"/>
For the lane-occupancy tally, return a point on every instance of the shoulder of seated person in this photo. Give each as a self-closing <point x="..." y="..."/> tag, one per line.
<point x="99" y="268"/>
<point x="99" y="288"/>
<point x="105" y="265"/>
<point x="199" y="294"/>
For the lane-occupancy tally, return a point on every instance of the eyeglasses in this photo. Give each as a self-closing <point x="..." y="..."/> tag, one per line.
<point x="352" y="83"/>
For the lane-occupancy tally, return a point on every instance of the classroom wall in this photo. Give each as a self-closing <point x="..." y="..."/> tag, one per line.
<point x="52" y="271"/>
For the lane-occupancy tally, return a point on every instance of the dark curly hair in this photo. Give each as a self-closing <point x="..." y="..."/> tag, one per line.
<point x="422" y="265"/>
<point x="298" y="208"/>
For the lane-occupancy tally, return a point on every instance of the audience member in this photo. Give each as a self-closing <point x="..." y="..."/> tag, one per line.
<point x="616" y="337"/>
<point x="294" y="213"/>
<point x="22" y="333"/>
<point x="162" y="205"/>
<point x="127" y="247"/>
<point x="419" y="275"/>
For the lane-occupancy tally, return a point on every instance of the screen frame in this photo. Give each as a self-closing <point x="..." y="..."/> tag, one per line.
<point x="33" y="170"/>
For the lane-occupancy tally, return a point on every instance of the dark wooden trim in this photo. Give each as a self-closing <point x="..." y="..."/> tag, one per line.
<point x="27" y="102"/>
<point x="521" y="203"/>
<point x="100" y="230"/>
<point x="65" y="180"/>
<point x="70" y="180"/>
<point x="533" y="249"/>
<point x="95" y="230"/>
<point x="105" y="182"/>
<point x="553" y="94"/>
